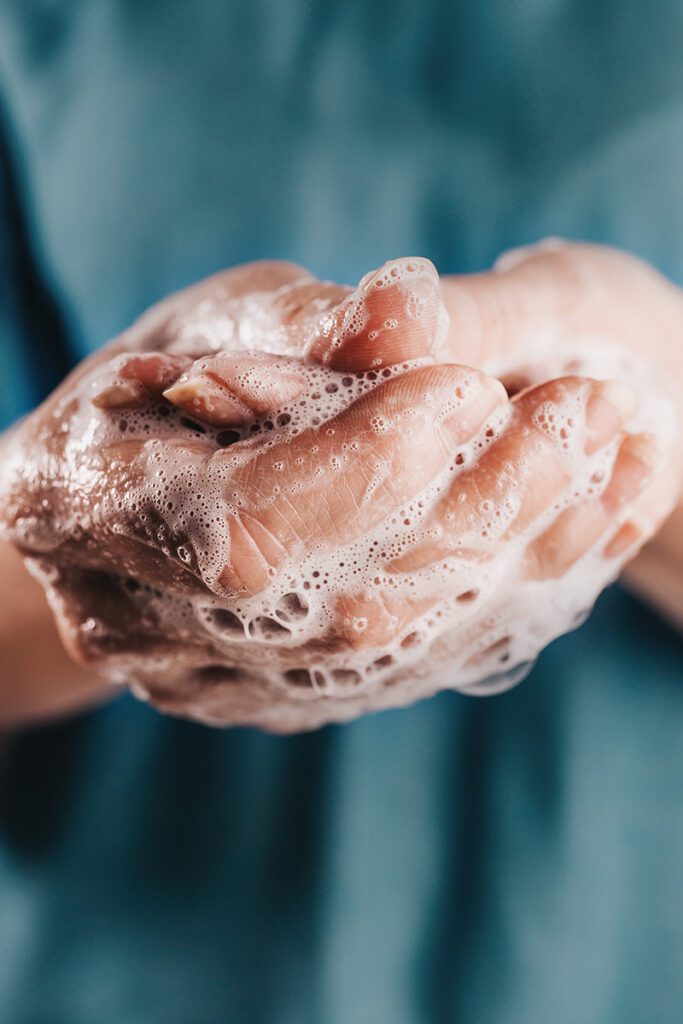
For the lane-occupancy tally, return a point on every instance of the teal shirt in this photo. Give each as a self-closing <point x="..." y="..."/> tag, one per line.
<point x="514" y="860"/>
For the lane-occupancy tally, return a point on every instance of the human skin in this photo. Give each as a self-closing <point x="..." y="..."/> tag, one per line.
<point x="550" y="294"/>
<point x="562" y="291"/>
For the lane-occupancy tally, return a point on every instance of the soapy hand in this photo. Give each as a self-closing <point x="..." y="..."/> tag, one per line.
<point x="284" y="502"/>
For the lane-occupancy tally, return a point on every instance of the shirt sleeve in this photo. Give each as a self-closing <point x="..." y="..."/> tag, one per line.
<point x="34" y="347"/>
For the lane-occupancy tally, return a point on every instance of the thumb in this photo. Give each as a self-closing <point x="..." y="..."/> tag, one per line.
<point x="393" y="315"/>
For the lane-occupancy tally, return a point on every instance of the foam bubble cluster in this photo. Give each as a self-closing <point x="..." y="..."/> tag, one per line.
<point x="292" y="655"/>
<point x="336" y="627"/>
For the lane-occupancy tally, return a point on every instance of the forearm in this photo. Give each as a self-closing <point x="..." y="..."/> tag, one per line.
<point x="37" y="678"/>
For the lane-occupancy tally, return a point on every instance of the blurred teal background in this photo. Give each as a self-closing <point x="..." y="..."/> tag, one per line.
<point x="516" y="860"/>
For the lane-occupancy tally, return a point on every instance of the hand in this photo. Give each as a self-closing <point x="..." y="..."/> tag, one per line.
<point x="557" y="306"/>
<point x="222" y="610"/>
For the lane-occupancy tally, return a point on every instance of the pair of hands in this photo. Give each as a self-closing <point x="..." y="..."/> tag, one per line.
<point x="177" y="486"/>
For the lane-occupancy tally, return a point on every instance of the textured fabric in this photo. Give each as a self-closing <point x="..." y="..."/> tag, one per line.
<point x="507" y="861"/>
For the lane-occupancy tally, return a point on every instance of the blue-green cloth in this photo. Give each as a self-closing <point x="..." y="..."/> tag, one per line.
<point x="515" y="860"/>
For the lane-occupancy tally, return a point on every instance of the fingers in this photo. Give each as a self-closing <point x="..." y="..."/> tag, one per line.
<point x="329" y="485"/>
<point x="579" y="528"/>
<point x="230" y="389"/>
<point x="395" y="314"/>
<point x="556" y="293"/>
<point x="649" y="515"/>
<point x="266" y="277"/>
<point x="375" y="618"/>
<point x="139" y="378"/>
<point x="525" y="471"/>
<point x="263" y="278"/>
<point x="232" y="310"/>
<point x="307" y="299"/>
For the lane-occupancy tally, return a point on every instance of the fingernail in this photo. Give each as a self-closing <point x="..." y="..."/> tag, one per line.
<point x="610" y="405"/>
<point x="156" y="370"/>
<point x="204" y="397"/>
<point x="120" y="394"/>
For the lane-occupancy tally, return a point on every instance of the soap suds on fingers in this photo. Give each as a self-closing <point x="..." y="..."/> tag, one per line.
<point x="351" y="622"/>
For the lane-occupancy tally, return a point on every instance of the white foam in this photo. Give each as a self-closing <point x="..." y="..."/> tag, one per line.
<point x="280" y="658"/>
